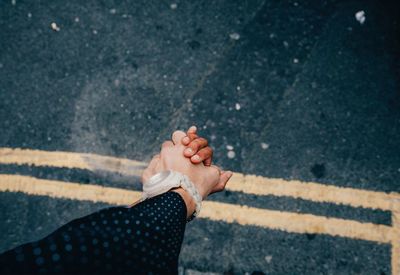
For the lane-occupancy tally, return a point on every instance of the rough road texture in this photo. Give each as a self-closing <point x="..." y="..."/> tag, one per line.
<point x="300" y="90"/>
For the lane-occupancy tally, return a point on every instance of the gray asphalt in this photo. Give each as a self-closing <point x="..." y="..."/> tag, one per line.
<point x="300" y="90"/>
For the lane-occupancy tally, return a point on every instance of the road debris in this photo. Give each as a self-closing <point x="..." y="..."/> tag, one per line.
<point x="234" y="36"/>
<point x="54" y="27"/>
<point x="231" y="154"/>
<point x="264" y="145"/>
<point x="360" y="16"/>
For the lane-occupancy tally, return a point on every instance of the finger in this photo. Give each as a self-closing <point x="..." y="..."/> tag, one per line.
<point x="204" y="154"/>
<point x="192" y="129"/>
<point x="149" y="171"/>
<point x="177" y="137"/>
<point x="223" y="180"/>
<point x="195" y="146"/>
<point x="154" y="161"/>
<point x="167" y="144"/>
<point x="191" y="135"/>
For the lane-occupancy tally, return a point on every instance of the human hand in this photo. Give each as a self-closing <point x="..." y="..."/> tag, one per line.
<point x="207" y="179"/>
<point x="197" y="147"/>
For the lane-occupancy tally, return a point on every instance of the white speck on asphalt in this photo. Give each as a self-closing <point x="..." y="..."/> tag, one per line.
<point x="113" y="11"/>
<point x="94" y="31"/>
<point x="295" y="60"/>
<point x="76" y="19"/>
<point x="229" y="147"/>
<point x="54" y="27"/>
<point x="13" y="2"/>
<point x="268" y="258"/>
<point x="234" y="36"/>
<point x="285" y="44"/>
<point x="264" y="145"/>
<point x="231" y="154"/>
<point x="237" y="106"/>
<point x="29" y="15"/>
<point x="173" y="6"/>
<point x="360" y="16"/>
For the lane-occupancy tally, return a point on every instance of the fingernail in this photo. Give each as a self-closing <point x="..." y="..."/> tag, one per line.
<point x="188" y="151"/>
<point x="230" y="173"/>
<point x="185" y="140"/>
<point x="193" y="128"/>
<point x="196" y="158"/>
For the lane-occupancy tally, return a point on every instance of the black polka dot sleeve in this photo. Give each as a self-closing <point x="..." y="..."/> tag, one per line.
<point x="144" y="239"/>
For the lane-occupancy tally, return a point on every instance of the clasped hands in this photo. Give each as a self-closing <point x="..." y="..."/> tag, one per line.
<point x="190" y="155"/>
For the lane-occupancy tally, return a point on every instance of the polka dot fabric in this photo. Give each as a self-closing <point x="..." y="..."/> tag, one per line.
<point x="144" y="239"/>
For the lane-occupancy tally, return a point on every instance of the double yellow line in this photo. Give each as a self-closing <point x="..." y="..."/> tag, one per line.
<point x="278" y="220"/>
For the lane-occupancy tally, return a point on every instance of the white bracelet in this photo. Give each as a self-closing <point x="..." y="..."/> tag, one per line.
<point x="167" y="180"/>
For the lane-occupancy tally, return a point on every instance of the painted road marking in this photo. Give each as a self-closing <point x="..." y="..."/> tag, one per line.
<point x="217" y="211"/>
<point x="71" y="160"/>
<point x="250" y="184"/>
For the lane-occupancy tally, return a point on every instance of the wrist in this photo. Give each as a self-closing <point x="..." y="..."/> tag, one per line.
<point x="188" y="199"/>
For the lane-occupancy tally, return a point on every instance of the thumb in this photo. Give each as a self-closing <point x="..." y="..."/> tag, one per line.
<point x="223" y="180"/>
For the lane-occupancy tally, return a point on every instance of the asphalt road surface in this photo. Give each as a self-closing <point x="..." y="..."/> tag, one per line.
<point x="292" y="90"/>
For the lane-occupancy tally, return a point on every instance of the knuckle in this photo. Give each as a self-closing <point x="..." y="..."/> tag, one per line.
<point x="166" y="143"/>
<point x="205" y="153"/>
<point x="203" y="141"/>
<point x="178" y="133"/>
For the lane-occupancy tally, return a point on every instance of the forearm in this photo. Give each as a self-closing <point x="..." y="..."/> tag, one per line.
<point x="143" y="238"/>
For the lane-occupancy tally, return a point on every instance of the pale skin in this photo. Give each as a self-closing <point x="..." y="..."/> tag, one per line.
<point x="175" y="155"/>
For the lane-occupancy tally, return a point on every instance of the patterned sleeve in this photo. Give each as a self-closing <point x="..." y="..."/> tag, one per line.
<point x="143" y="239"/>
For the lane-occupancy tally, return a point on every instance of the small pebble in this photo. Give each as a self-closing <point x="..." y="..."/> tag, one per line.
<point x="295" y="60"/>
<point x="268" y="258"/>
<point x="55" y="27"/>
<point x="76" y="19"/>
<point x="234" y="36"/>
<point x="285" y="44"/>
<point x="264" y="145"/>
<point x="113" y="11"/>
<point x="173" y="6"/>
<point x="94" y="32"/>
<point x="29" y="15"/>
<point x="360" y="16"/>
<point x="229" y="147"/>
<point x="237" y="106"/>
<point x="231" y="154"/>
<point x="13" y="2"/>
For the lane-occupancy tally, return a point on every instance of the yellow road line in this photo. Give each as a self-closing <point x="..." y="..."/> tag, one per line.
<point x="217" y="211"/>
<point x="58" y="159"/>
<point x="297" y="223"/>
<point x="396" y="240"/>
<point x="73" y="191"/>
<point x="257" y="185"/>
<point x="249" y="184"/>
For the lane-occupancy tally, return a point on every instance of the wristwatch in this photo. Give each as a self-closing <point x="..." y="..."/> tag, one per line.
<point x="166" y="180"/>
